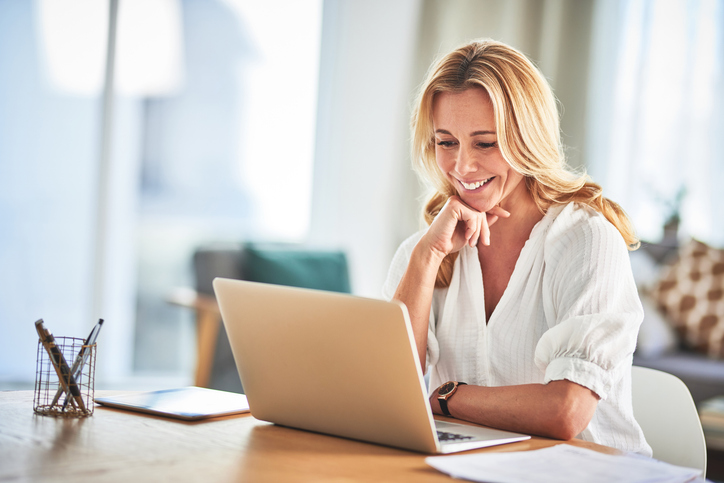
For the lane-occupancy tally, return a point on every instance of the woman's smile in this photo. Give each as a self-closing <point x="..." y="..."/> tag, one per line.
<point x="476" y="185"/>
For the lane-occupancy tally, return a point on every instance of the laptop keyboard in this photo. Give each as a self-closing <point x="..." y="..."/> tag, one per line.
<point x="445" y="437"/>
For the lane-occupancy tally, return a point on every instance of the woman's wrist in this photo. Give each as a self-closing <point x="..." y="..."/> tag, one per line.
<point x="418" y="282"/>
<point x="427" y="260"/>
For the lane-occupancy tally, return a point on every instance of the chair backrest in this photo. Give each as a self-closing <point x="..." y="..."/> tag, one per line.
<point x="279" y="264"/>
<point x="296" y="267"/>
<point x="668" y="417"/>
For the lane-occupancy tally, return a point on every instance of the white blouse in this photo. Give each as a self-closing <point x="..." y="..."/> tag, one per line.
<point x="570" y="311"/>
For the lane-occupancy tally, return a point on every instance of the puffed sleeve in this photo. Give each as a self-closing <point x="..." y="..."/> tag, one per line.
<point x="394" y="275"/>
<point x="591" y="303"/>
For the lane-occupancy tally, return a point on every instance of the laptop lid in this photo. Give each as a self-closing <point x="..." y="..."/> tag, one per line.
<point x="332" y="363"/>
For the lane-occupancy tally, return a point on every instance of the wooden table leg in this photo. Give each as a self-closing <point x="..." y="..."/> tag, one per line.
<point x="208" y="321"/>
<point x="207" y="332"/>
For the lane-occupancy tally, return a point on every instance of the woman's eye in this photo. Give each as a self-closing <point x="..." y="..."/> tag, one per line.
<point x="445" y="144"/>
<point x="487" y="145"/>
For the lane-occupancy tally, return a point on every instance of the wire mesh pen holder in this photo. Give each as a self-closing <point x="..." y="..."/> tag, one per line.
<point x="73" y="397"/>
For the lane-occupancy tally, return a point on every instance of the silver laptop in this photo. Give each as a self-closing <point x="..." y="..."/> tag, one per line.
<point x="337" y="364"/>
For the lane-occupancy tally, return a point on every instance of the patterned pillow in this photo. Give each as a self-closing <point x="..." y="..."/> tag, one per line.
<point x="691" y="294"/>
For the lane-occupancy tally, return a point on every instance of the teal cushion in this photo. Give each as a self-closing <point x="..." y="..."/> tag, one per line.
<point x="321" y="270"/>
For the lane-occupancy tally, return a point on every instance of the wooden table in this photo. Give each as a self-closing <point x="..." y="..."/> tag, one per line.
<point x="116" y="445"/>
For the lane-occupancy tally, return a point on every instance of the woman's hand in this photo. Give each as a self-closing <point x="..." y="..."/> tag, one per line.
<point x="458" y="224"/>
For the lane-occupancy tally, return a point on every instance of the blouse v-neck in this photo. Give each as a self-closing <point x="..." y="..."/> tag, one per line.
<point x="524" y="259"/>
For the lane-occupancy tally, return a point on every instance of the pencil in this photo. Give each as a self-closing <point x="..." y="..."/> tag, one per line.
<point x="59" y="363"/>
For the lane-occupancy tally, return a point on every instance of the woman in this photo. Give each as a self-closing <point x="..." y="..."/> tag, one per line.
<point x="520" y="292"/>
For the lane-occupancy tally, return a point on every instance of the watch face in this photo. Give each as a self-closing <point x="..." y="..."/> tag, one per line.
<point x="446" y="388"/>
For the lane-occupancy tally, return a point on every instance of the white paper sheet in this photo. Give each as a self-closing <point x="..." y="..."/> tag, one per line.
<point x="562" y="463"/>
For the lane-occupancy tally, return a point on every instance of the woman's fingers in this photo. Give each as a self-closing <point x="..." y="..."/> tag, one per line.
<point x="469" y="219"/>
<point x="498" y="212"/>
<point x="458" y="224"/>
<point x="485" y="230"/>
<point x="455" y="226"/>
<point x="473" y="221"/>
<point x="479" y="220"/>
<point x="488" y="219"/>
<point x="494" y="215"/>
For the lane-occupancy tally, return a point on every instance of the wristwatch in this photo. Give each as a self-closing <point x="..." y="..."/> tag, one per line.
<point x="445" y="392"/>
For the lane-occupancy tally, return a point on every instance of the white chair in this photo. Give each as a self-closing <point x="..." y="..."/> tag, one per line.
<point x="664" y="408"/>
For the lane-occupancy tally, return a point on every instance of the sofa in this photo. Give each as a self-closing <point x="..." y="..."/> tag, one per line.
<point x="682" y="333"/>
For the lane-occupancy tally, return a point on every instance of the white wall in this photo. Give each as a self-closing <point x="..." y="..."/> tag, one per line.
<point x="361" y="179"/>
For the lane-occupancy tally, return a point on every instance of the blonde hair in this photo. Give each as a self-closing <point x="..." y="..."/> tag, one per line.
<point x="528" y="132"/>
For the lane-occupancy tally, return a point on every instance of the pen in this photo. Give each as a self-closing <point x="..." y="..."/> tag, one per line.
<point x="67" y="380"/>
<point x="80" y="359"/>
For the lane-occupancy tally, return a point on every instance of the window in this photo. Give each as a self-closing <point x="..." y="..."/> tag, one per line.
<point x="663" y="154"/>
<point x="212" y="132"/>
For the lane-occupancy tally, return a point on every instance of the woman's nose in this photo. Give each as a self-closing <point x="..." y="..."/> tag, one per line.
<point x="465" y="162"/>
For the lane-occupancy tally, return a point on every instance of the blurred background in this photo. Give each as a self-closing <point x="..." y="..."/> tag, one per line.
<point x="131" y="137"/>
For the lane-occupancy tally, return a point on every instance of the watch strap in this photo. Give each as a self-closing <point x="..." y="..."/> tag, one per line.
<point x="443" y="406"/>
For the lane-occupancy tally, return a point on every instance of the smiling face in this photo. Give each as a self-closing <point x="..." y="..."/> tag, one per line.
<point x="467" y="152"/>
